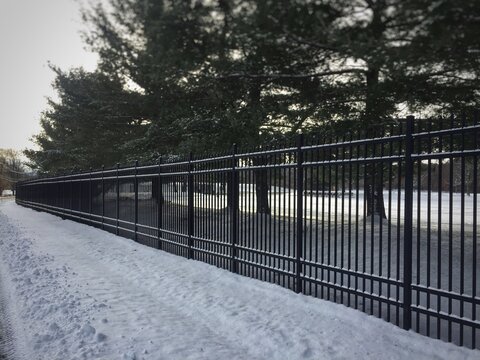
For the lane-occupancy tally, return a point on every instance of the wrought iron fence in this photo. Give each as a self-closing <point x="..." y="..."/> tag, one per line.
<point x="386" y="224"/>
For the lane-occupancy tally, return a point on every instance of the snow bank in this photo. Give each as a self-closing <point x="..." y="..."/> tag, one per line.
<point x="81" y="293"/>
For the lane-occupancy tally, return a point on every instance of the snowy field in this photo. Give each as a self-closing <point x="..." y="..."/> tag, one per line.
<point x="76" y="292"/>
<point x="351" y="203"/>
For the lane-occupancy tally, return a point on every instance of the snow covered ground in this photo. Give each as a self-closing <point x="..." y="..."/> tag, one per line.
<point x="283" y="201"/>
<point x="76" y="292"/>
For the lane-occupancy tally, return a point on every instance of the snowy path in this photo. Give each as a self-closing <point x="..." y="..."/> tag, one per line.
<point x="83" y="293"/>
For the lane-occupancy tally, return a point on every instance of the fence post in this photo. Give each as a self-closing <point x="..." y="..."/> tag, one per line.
<point x="71" y="191"/>
<point x="80" y="194"/>
<point x="64" y="197"/>
<point x="190" y="207"/>
<point x="103" y="197"/>
<point x="299" y="217"/>
<point x="135" y="188"/>
<point x="90" y="194"/>
<point x="408" y="231"/>
<point x="159" y="203"/>
<point x="117" y="210"/>
<point x="234" y="210"/>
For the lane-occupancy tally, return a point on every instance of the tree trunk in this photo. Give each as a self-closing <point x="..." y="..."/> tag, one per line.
<point x="261" y="175"/>
<point x="261" y="191"/>
<point x="230" y="190"/>
<point x="374" y="192"/>
<point x="373" y="172"/>
<point x="374" y="112"/>
<point x="156" y="194"/>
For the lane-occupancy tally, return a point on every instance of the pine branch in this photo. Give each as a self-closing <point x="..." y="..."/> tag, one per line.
<point x="291" y="76"/>
<point x="302" y="41"/>
<point x="314" y="44"/>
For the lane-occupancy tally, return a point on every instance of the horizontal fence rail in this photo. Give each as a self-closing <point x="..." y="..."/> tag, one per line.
<point x="384" y="224"/>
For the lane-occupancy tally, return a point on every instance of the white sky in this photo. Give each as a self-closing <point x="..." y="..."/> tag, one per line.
<point x="32" y="33"/>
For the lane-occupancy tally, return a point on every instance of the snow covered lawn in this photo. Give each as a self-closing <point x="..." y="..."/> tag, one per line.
<point x="76" y="292"/>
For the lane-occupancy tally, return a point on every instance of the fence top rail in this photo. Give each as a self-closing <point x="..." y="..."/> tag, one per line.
<point x="99" y="174"/>
<point x="446" y="154"/>
<point x="385" y="139"/>
<point x="266" y="152"/>
<point x="452" y="131"/>
<point x="81" y="174"/>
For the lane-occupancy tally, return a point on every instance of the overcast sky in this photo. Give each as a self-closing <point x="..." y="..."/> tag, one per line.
<point x="32" y="33"/>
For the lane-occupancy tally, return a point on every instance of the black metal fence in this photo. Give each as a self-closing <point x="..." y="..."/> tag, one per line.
<point x="386" y="224"/>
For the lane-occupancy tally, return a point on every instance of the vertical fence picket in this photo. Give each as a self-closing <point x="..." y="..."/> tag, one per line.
<point x="117" y="201"/>
<point x="135" y="189"/>
<point x="234" y="194"/>
<point x="408" y="231"/>
<point x="103" y="198"/>
<point x="299" y="216"/>
<point x="64" y="197"/>
<point x="190" y="207"/>
<point x="159" y="204"/>
<point x="90" y="194"/>
<point x="475" y="236"/>
<point x="71" y="191"/>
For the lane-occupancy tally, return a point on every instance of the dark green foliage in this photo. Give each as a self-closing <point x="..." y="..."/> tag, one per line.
<point x="209" y="73"/>
<point x="95" y="122"/>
